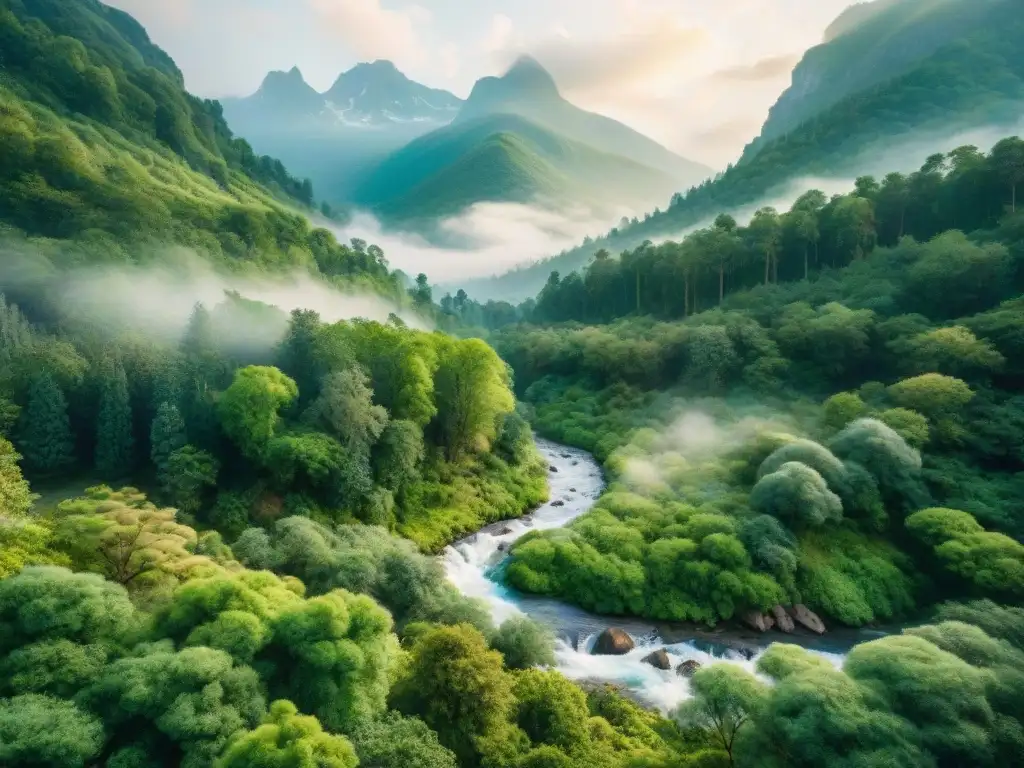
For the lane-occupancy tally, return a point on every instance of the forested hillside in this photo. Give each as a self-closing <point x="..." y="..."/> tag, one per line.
<point x="835" y="371"/>
<point x="977" y="79"/>
<point x="101" y="147"/>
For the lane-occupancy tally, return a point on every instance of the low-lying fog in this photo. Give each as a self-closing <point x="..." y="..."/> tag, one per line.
<point x="495" y="238"/>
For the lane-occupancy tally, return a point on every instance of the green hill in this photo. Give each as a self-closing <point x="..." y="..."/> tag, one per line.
<point x="501" y="158"/>
<point x="101" y="145"/>
<point x="975" y="80"/>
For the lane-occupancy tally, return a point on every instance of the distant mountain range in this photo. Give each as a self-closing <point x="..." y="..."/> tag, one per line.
<point x="516" y="139"/>
<point x="335" y="138"/>
<point x="888" y="73"/>
<point x="378" y="140"/>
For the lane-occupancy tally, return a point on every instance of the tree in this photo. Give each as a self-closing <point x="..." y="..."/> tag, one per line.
<point x="287" y="739"/>
<point x="457" y="686"/>
<point x="854" y="219"/>
<point x="396" y="741"/>
<point x="345" y="409"/>
<point x="724" y="699"/>
<point x="298" y="352"/>
<point x="181" y="707"/>
<point x="186" y="475"/>
<point x="249" y="407"/>
<point x="798" y="495"/>
<point x="955" y="351"/>
<point x="397" y="456"/>
<point x="46" y="731"/>
<point x="46" y="440"/>
<point x="1008" y="159"/>
<point x="15" y="497"/>
<point x="115" y="440"/>
<point x="121" y="536"/>
<point x="472" y="390"/>
<point x="524" y="643"/>
<point x="841" y="409"/>
<point x="167" y="435"/>
<point x="333" y="656"/>
<point x="766" y="231"/>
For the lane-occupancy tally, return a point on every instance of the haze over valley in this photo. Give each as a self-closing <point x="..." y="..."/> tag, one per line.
<point x="536" y="384"/>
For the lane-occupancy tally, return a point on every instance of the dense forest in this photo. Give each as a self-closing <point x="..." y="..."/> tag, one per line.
<point x="848" y="425"/>
<point x="217" y="541"/>
<point x="975" y="79"/>
<point x="103" y="150"/>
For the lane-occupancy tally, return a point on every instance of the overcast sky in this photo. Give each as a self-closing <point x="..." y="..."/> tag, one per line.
<point x="696" y="75"/>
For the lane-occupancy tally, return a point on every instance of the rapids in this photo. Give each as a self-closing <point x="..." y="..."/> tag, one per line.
<point x="474" y="565"/>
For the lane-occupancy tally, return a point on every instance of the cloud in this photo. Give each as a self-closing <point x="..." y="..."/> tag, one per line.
<point x="492" y="238"/>
<point x="771" y="68"/>
<point x="375" y="32"/>
<point x="649" y="49"/>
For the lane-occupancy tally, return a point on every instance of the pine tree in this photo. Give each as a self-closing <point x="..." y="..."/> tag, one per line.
<point x="166" y="435"/>
<point x="46" y="441"/>
<point x="114" y="438"/>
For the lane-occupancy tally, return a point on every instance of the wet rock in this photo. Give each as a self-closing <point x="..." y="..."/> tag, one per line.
<point x="558" y="503"/>
<point x="504" y="546"/>
<point x="572" y="490"/>
<point x="762" y="622"/>
<point x="527" y="521"/>
<point x="659" y="659"/>
<point x="552" y="468"/>
<point x="613" y="642"/>
<point x="564" y="455"/>
<point x="505" y="531"/>
<point x="807" y="619"/>
<point x="783" y="620"/>
<point x="688" y="668"/>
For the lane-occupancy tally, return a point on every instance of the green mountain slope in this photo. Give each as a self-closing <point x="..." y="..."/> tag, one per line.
<point x="101" y="144"/>
<point x="867" y="45"/>
<point x="501" y="158"/>
<point x="529" y="91"/>
<point x="976" y="80"/>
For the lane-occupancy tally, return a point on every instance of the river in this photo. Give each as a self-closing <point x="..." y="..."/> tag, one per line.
<point x="474" y="566"/>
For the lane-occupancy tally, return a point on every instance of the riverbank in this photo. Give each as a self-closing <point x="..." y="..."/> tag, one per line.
<point x="474" y="565"/>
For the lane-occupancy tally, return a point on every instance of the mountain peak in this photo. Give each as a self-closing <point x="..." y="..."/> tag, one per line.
<point x="527" y="72"/>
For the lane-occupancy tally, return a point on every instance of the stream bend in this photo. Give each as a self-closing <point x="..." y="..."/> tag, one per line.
<point x="474" y="566"/>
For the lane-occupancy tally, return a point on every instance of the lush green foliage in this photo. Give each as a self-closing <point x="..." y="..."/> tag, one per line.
<point x="409" y="430"/>
<point x="912" y="347"/>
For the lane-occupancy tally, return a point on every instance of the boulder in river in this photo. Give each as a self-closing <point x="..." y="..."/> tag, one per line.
<point x="762" y="622"/>
<point x="659" y="659"/>
<point x="572" y="490"/>
<point x="807" y="619"/>
<point x="552" y="468"/>
<point x="783" y="620"/>
<point x="613" y="642"/>
<point x="505" y="531"/>
<point x="688" y="668"/>
<point x="558" y="503"/>
<point x="504" y="546"/>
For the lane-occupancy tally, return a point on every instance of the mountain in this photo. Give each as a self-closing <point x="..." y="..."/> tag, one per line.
<point x="529" y="91"/>
<point x="869" y="44"/>
<point x="974" y="79"/>
<point x="515" y="140"/>
<point x="336" y="137"/>
<point x="377" y="93"/>
<point x="501" y="157"/>
<point x="104" y="152"/>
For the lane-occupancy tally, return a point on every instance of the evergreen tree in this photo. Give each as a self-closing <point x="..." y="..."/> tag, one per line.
<point x="166" y="435"/>
<point x="114" y="438"/>
<point x="46" y="441"/>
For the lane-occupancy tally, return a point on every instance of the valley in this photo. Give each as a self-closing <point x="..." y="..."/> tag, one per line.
<point x="736" y="484"/>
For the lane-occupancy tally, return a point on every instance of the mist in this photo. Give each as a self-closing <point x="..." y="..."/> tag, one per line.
<point x="486" y="240"/>
<point x="157" y="298"/>
<point x="695" y="438"/>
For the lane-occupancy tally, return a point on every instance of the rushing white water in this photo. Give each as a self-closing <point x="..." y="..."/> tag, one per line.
<point x="474" y="565"/>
